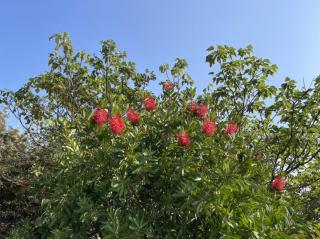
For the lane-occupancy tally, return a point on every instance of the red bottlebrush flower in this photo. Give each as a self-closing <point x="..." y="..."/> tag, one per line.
<point x="231" y="129"/>
<point x="183" y="139"/>
<point x="100" y="116"/>
<point x="168" y="85"/>
<point x="192" y="106"/>
<point x="117" y="124"/>
<point x="275" y="182"/>
<point x="202" y="111"/>
<point x="149" y="103"/>
<point x="24" y="183"/>
<point x="278" y="183"/>
<point x="281" y="184"/>
<point x="209" y="127"/>
<point x="132" y="116"/>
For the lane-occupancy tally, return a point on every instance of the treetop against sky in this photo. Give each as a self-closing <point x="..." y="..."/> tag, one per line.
<point x="156" y="32"/>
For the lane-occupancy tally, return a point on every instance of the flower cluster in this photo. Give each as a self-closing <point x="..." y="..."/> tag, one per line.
<point x="192" y="106"/>
<point x="100" y="116"/>
<point x="209" y="127"/>
<point x="201" y="110"/>
<point x="231" y="129"/>
<point x="117" y="124"/>
<point x="278" y="183"/>
<point x="183" y="139"/>
<point x="168" y="85"/>
<point x="133" y="116"/>
<point x="149" y="103"/>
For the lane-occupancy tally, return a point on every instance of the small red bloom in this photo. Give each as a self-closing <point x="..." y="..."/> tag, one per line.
<point x="183" y="139"/>
<point x="202" y="111"/>
<point x="281" y="184"/>
<point x="209" y="127"/>
<point x="149" y="103"/>
<point x="168" y="85"/>
<point x="278" y="183"/>
<point x="231" y="129"/>
<point x="192" y="106"/>
<point x="132" y="116"/>
<point x="117" y="124"/>
<point x="275" y="182"/>
<point x="99" y="116"/>
<point x="24" y="183"/>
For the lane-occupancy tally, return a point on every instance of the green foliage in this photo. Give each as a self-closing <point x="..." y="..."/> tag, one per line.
<point x="16" y="202"/>
<point x="142" y="184"/>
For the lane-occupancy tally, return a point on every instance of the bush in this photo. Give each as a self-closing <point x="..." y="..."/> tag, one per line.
<point x="176" y="165"/>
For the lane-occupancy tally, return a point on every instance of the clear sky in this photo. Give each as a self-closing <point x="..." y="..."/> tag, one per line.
<point x="157" y="31"/>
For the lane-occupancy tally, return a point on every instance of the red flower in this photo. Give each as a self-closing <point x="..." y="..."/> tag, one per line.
<point x="278" y="183"/>
<point x="183" y="139"/>
<point x="275" y="182"/>
<point x="209" y="127"/>
<point x="231" y="129"/>
<point x="24" y="183"/>
<point x="192" y="106"/>
<point x="202" y="111"/>
<point x="100" y="116"/>
<point x="149" y="103"/>
<point x="281" y="184"/>
<point x="168" y="85"/>
<point x="132" y="116"/>
<point x="116" y="124"/>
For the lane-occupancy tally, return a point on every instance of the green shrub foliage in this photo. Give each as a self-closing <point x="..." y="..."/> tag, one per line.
<point x="16" y="202"/>
<point x="179" y="163"/>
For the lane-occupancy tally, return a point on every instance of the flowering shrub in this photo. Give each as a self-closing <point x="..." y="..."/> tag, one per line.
<point x="174" y="174"/>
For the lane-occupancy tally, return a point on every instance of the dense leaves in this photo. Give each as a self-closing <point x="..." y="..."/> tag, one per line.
<point x="175" y="165"/>
<point x="16" y="201"/>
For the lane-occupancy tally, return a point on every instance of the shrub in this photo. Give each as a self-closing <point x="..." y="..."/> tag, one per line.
<point x="192" y="165"/>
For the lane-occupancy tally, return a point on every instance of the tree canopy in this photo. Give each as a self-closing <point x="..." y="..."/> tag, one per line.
<point x="114" y="160"/>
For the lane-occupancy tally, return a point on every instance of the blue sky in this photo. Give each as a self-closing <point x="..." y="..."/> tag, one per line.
<point x="157" y="31"/>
